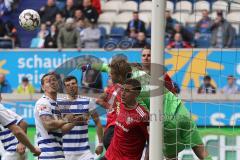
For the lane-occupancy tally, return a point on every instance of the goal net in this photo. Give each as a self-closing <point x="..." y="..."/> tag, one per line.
<point x="207" y="71"/>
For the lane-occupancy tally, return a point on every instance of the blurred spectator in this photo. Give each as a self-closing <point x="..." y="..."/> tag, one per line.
<point x="51" y="39"/>
<point x="48" y="12"/>
<point x="3" y="8"/>
<point x="170" y="23"/>
<point x="186" y="35"/>
<point x="231" y="87"/>
<point x="59" y="21"/>
<point x="141" y="41"/>
<point x="133" y="35"/>
<point x="78" y="14"/>
<point x="25" y="87"/>
<point x="11" y="4"/>
<point x="97" y="4"/>
<point x="44" y="30"/>
<point x="136" y="23"/>
<point x="60" y="4"/>
<point x="10" y="31"/>
<point x="207" y="87"/>
<point x="90" y="36"/>
<point x="5" y="87"/>
<point x="89" y="11"/>
<point x="80" y="25"/>
<point x="68" y="36"/>
<point x="69" y="9"/>
<point x="222" y="32"/>
<point x="203" y="26"/>
<point x="178" y="42"/>
<point x="38" y="42"/>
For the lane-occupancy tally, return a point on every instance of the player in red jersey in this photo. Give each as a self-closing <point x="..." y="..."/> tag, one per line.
<point x="130" y="133"/>
<point x="110" y="100"/>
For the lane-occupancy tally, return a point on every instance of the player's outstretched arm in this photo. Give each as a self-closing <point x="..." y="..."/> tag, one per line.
<point x="102" y="102"/>
<point x="22" y="137"/>
<point x="98" y="124"/>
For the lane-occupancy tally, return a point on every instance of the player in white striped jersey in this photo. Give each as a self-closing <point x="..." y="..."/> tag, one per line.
<point x="49" y="124"/>
<point x="13" y="137"/>
<point x="12" y="148"/>
<point x="75" y="143"/>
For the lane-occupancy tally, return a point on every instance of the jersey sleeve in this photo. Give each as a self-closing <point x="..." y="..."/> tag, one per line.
<point x="6" y="118"/>
<point x="17" y="117"/>
<point x="43" y="108"/>
<point x="92" y="105"/>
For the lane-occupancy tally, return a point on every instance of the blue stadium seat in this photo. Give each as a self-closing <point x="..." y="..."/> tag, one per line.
<point x="117" y="33"/>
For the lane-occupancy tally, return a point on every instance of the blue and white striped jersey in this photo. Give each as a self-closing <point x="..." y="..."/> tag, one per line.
<point x="76" y="141"/>
<point x="50" y="143"/>
<point x="7" y="138"/>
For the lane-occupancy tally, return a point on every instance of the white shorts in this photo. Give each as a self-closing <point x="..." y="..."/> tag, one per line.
<point x="84" y="156"/>
<point x="13" y="156"/>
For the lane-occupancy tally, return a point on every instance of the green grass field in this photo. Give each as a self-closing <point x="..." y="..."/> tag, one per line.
<point x="228" y="136"/>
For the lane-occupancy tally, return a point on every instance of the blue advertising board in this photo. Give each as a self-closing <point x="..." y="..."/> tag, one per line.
<point x="204" y="113"/>
<point x="34" y="64"/>
<point x="215" y="113"/>
<point x="188" y="67"/>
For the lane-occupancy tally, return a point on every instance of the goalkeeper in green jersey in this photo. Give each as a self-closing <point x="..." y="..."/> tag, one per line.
<point x="180" y="131"/>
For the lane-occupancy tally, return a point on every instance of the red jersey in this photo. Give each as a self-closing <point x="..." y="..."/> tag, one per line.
<point x="130" y="134"/>
<point x="113" y="99"/>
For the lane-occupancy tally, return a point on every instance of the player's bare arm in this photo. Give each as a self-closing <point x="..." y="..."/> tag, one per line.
<point x="72" y="121"/>
<point x="101" y="101"/>
<point x="51" y="124"/>
<point x="20" y="147"/>
<point x="22" y="138"/>
<point x="98" y="124"/>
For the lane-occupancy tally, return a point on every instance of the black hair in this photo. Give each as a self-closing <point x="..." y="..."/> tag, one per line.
<point x="69" y="78"/>
<point x="207" y="77"/>
<point x="135" y="83"/>
<point x="147" y="46"/>
<point x="25" y="79"/>
<point x="48" y="74"/>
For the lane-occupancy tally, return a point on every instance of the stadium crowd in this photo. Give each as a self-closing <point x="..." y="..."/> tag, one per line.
<point x="77" y="21"/>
